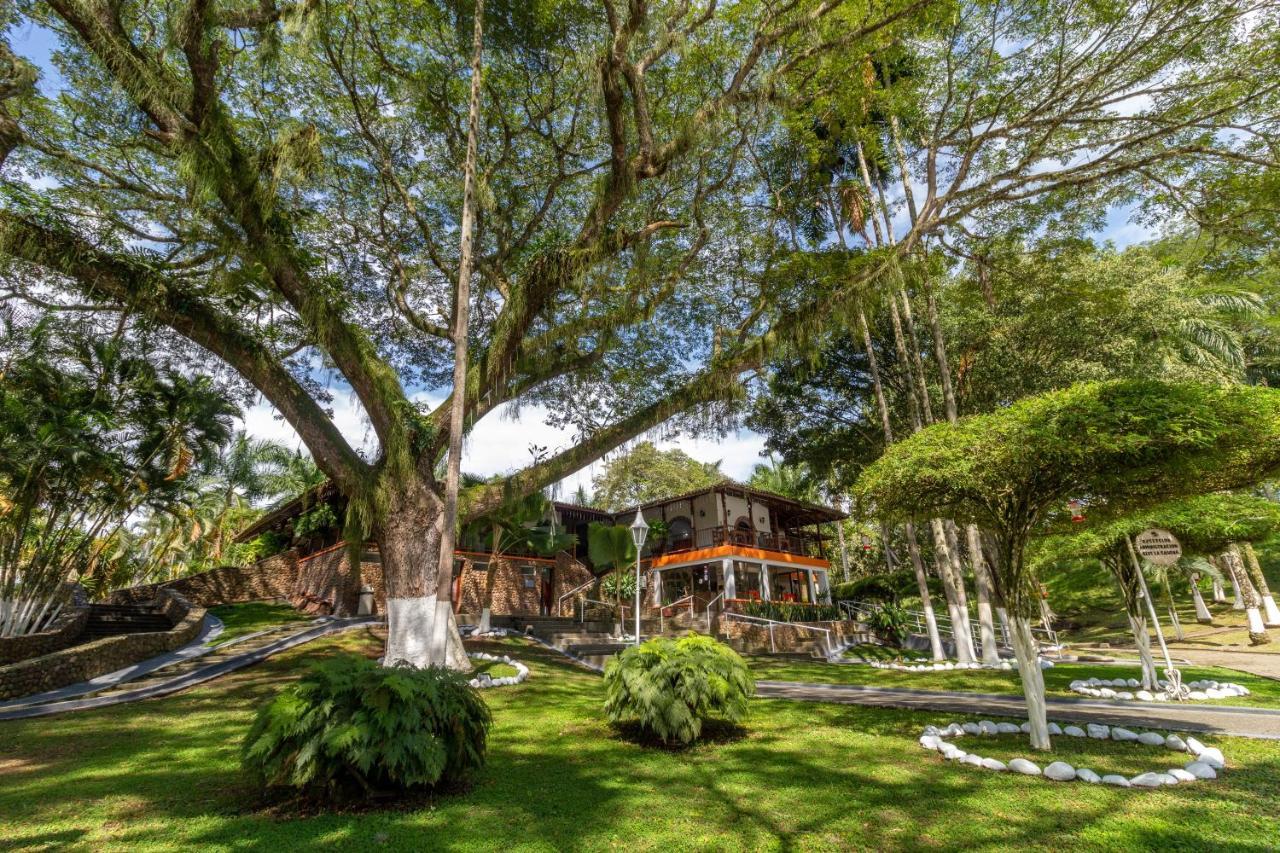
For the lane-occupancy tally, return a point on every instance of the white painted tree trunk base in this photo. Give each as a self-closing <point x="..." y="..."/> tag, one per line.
<point x="1027" y="653"/>
<point x="486" y="620"/>
<point x="422" y="632"/>
<point x="1271" y="611"/>
<point x="1203" y="615"/>
<point x="1219" y="594"/>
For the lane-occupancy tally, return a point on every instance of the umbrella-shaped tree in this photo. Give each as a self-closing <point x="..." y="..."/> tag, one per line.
<point x="1133" y="442"/>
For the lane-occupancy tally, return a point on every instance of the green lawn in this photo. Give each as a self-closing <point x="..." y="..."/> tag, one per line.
<point x="164" y="774"/>
<point x="1265" y="692"/>
<point x="253" y="616"/>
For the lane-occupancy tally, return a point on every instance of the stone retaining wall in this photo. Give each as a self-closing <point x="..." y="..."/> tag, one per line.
<point x="273" y="577"/>
<point x="89" y="660"/>
<point x="754" y="638"/>
<point x="63" y="632"/>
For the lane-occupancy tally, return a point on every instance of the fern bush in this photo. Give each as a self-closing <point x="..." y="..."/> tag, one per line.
<point x="670" y="687"/>
<point x="351" y="726"/>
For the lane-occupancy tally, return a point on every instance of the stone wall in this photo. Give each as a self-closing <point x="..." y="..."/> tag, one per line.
<point x="89" y="660"/>
<point x="570" y="574"/>
<point x="63" y="632"/>
<point x="512" y="596"/>
<point x="273" y="577"/>
<point x="752" y="637"/>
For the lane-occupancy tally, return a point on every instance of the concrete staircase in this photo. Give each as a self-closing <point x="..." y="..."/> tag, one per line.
<point x="109" y="620"/>
<point x="593" y="640"/>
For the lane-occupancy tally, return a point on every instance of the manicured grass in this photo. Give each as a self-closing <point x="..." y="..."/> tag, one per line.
<point x="253" y="616"/>
<point x="1264" y="692"/>
<point x="164" y="774"/>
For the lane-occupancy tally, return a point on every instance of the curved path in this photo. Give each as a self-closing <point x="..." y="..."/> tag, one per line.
<point x="175" y="671"/>
<point x="1222" y="719"/>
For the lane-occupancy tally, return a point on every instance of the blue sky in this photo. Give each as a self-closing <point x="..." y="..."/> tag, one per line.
<point x="501" y="441"/>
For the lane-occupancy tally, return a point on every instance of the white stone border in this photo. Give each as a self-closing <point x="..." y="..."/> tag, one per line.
<point x="927" y="665"/>
<point x="484" y="680"/>
<point x="1102" y="688"/>
<point x="1206" y="762"/>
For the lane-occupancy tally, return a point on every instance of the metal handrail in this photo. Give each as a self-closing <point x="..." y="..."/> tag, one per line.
<point x="943" y="622"/>
<point x="711" y="603"/>
<point x="662" y="614"/>
<point x="773" y="646"/>
<point x="571" y="593"/>
<point x="583" y="601"/>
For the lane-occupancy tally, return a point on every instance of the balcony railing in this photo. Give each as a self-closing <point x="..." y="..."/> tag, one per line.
<point x="788" y="541"/>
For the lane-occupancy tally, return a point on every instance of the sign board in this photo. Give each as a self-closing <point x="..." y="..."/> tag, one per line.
<point x="1158" y="546"/>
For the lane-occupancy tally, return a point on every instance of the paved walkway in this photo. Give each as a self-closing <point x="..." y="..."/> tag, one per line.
<point x="176" y="671"/>
<point x="1264" y="664"/>
<point x="1222" y="719"/>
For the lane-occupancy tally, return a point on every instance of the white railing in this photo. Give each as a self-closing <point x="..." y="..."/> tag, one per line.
<point x="711" y="604"/>
<point x="859" y="610"/>
<point x="571" y="593"/>
<point x="583" y="601"/>
<point x="773" y="646"/>
<point x="662" y="611"/>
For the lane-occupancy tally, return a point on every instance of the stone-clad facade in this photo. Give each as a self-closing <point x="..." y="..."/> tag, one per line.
<point x="64" y="631"/>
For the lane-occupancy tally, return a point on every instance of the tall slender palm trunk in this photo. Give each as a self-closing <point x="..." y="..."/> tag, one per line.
<point x="1258" y="635"/>
<point x="461" y="311"/>
<point x="1270" y="612"/>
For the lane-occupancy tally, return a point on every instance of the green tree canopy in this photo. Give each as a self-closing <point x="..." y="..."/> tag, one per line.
<point x="644" y="473"/>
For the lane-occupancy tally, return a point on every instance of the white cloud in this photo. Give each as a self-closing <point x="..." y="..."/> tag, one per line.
<point x="500" y="442"/>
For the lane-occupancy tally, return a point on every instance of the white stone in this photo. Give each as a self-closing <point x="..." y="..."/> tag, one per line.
<point x="1123" y="734"/>
<point x="1060" y="771"/>
<point x="1166" y="779"/>
<point x="1145" y="696"/>
<point x="1133" y="682"/>
<point x="975" y="760"/>
<point x="1046" y="664"/>
<point x="1198" y="695"/>
<point x="954" y="730"/>
<point x="929" y="741"/>
<point x="1151" y="739"/>
<point x="992" y="764"/>
<point x="1107" y="693"/>
<point x="1146" y="780"/>
<point x="1077" y="684"/>
<point x="1007" y="728"/>
<point x="971" y="728"/>
<point x="1055" y="729"/>
<point x="1125" y="695"/>
<point x="1113" y="779"/>
<point x="1022" y="765"/>
<point x="988" y="727"/>
<point x="1098" y="731"/>
<point x="1084" y="774"/>
<point x="1095" y="682"/>
<point x="1006" y="665"/>
<point x="956" y="755"/>
<point x="1073" y="731"/>
<point x="1175" y="743"/>
<point x="1025" y="728"/>
<point x="1194" y="746"/>
<point x="1200" y="770"/>
<point x="1213" y="757"/>
<point x="1182" y="775"/>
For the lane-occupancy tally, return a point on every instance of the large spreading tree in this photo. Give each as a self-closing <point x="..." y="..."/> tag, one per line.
<point x="279" y="184"/>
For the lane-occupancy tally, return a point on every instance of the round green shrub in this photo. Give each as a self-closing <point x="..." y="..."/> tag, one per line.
<point x="350" y="726"/>
<point x="670" y="687"/>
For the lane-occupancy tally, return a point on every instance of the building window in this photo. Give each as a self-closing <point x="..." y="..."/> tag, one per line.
<point x="746" y="580"/>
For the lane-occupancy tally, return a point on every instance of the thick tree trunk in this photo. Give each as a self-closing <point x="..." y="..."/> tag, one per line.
<point x="913" y="544"/>
<point x="957" y="604"/>
<point x="421" y="629"/>
<point x="1202" y="611"/>
<point x="1028" y="655"/>
<point x="926" y="602"/>
<point x="982" y="581"/>
<point x="1270" y="612"/>
<point x="1142" y="639"/>
<point x="1258" y="635"/>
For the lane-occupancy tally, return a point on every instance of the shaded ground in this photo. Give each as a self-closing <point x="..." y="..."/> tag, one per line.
<point x="163" y="774"/>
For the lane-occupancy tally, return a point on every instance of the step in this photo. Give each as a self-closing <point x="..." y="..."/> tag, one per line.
<point x="584" y="649"/>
